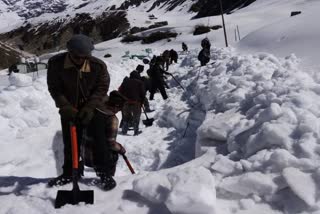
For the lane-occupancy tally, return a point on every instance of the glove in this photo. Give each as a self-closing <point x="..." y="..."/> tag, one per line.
<point x="117" y="147"/>
<point x="68" y="112"/>
<point x="85" y="115"/>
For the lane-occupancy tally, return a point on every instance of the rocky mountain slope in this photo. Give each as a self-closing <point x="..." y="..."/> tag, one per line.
<point x="45" y="26"/>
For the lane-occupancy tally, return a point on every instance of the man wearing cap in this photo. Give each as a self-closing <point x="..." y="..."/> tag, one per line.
<point x="133" y="89"/>
<point x="77" y="82"/>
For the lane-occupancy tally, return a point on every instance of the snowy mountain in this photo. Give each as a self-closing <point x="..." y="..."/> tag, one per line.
<point x="42" y="25"/>
<point x="242" y="137"/>
<point x="31" y="8"/>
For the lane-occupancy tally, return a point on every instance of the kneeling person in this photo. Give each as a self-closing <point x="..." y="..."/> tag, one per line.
<point x="103" y="156"/>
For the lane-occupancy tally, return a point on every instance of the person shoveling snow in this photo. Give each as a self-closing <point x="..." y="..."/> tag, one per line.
<point x="78" y="83"/>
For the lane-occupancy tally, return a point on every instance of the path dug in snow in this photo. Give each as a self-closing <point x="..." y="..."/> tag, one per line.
<point x="31" y="131"/>
<point x="248" y="92"/>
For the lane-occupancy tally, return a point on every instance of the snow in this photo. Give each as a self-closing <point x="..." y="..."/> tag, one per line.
<point x="302" y="184"/>
<point x="249" y="183"/>
<point x="242" y="138"/>
<point x="290" y="35"/>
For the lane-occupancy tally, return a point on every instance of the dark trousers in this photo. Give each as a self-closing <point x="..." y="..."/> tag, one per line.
<point x="104" y="158"/>
<point x="155" y="87"/>
<point x="131" y="113"/>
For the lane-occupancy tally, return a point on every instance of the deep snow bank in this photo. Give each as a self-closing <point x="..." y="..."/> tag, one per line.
<point x="262" y="117"/>
<point x="299" y="34"/>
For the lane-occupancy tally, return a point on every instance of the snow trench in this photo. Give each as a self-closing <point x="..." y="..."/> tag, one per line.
<point x="241" y="137"/>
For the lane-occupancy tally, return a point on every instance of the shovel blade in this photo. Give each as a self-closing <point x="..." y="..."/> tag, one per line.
<point x="73" y="197"/>
<point x="148" y="122"/>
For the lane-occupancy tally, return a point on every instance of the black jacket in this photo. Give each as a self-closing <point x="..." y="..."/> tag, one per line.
<point x="64" y="87"/>
<point x="133" y="89"/>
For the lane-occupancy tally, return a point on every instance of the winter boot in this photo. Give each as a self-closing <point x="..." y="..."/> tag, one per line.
<point x="66" y="176"/>
<point x="60" y="180"/>
<point x="137" y="132"/>
<point x="107" y="182"/>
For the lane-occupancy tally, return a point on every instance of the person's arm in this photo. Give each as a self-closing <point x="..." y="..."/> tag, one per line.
<point x="112" y="131"/>
<point x="55" y="85"/>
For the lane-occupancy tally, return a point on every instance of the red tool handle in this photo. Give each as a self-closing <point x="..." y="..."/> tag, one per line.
<point x="74" y="146"/>
<point x="128" y="164"/>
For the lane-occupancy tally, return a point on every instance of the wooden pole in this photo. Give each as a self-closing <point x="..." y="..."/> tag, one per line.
<point x="224" y="27"/>
<point x="238" y="32"/>
<point x="235" y="35"/>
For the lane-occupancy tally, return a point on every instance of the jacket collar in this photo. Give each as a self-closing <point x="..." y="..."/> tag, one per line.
<point x="69" y="64"/>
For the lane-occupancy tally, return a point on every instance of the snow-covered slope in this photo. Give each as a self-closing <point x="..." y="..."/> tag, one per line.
<point x="243" y="138"/>
<point x="299" y="34"/>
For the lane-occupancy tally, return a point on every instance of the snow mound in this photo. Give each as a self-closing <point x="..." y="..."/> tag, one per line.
<point x="261" y="116"/>
<point x="180" y="188"/>
<point x="20" y="80"/>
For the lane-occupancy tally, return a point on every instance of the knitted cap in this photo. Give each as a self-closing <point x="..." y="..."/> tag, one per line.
<point x="80" y="45"/>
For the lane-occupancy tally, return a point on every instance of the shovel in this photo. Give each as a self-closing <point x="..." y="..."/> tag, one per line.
<point x="177" y="82"/>
<point x="75" y="196"/>
<point x="149" y="121"/>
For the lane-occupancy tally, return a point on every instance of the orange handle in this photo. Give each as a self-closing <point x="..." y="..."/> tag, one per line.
<point x="74" y="146"/>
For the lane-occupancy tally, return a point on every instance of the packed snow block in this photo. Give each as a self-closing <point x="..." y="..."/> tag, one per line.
<point x="308" y="123"/>
<point x="247" y="203"/>
<point x="20" y="80"/>
<point x="281" y="159"/>
<point x="193" y="191"/>
<point x="249" y="183"/>
<point x="308" y="146"/>
<point x="225" y="166"/>
<point x="153" y="186"/>
<point x="265" y="99"/>
<point x="269" y="135"/>
<point x="259" y="208"/>
<point x="271" y="113"/>
<point x="174" y="114"/>
<point x="302" y="184"/>
<point x="215" y="128"/>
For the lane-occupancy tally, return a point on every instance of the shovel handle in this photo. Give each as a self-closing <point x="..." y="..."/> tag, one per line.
<point x="74" y="146"/>
<point x="177" y="82"/>
<point x="128" y="164"/>
<point x="144" y="111"/>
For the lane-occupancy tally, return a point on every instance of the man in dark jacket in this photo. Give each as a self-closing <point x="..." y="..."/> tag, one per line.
<point x="146" y="81"/>
<point x="204" y="54"/>
<point x="184" y="47"/>
<point x="156" y="74"/>
<point x="77" y="82"/>
<point x="134" y="90"/>
<point x="173" y="56"/>
<point x="166" y="59"/>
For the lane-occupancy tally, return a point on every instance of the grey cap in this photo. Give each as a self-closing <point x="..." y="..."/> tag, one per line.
<point x="81" y="45"/>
